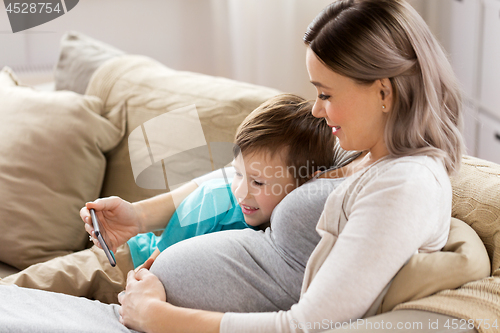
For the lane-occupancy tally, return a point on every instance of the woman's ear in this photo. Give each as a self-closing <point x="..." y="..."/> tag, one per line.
<point x="386" y="94"/>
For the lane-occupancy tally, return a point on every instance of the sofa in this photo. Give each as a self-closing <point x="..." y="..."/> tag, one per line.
<point x="71" y="142"/>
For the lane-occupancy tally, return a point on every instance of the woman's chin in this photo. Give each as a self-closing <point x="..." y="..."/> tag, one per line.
<point x="345" y="145"/>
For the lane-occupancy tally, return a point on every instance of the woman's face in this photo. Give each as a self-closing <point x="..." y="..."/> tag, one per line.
<point x="355" y="111"/>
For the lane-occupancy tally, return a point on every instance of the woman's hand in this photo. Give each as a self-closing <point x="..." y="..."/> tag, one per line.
<point x="119" y="220"/>
<point x="144" y="308"/>
<point x="144" y="290"/>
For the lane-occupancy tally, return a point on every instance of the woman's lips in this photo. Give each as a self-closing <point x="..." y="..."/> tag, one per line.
<point x="335" y="129"/>
<point x="247" y="210"/>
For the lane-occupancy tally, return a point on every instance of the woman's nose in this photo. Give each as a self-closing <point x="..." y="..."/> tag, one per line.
<point x="318" y="110"/>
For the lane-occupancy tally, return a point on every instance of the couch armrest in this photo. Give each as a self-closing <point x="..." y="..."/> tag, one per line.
<point x="408" y="321"/>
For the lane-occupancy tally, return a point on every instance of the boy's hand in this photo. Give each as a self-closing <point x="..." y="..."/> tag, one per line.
<point x="147" y="265"/>
<point x="119" y="220"/>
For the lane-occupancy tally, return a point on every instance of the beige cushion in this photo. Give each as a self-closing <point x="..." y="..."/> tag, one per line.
<point x="150" y="89"/>
<point x="52" y="162"/>
<point x="476" y="201"/>
<point x="463" y="259"/>
<point x="6" y="270"/>
<point x="79" y="57"/>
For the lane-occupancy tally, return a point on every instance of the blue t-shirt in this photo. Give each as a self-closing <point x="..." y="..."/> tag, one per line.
<point x="211" y="207"/>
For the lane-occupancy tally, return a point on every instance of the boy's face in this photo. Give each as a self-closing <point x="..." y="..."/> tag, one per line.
<point x="260" y="182"/>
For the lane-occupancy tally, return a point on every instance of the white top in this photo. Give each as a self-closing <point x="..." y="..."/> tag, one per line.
<point x="395" y="207"/>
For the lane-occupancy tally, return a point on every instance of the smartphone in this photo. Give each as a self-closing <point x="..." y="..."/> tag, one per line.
<point x="97" y="233"/>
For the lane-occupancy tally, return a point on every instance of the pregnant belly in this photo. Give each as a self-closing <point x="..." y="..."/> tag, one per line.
<point x="228" y="271"/>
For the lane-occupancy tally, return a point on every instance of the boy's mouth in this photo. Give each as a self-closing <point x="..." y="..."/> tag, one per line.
<point x="247" y="210"/>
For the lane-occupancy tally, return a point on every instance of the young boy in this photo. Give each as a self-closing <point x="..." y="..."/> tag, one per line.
<point x="278" y="147"/>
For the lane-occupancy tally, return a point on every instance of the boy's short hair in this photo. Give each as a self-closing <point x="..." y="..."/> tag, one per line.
<point x="284" y="124"/>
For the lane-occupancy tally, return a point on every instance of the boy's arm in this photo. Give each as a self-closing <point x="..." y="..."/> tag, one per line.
<point x="157" y="211"/>
<point x="120" y="220"/>
<point x="189" y="218"/>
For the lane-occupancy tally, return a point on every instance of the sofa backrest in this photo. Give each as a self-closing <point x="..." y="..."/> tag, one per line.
<point x="149" y="91"/>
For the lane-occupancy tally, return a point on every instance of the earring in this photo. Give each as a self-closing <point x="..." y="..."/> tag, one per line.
<point x="383" y="107"/>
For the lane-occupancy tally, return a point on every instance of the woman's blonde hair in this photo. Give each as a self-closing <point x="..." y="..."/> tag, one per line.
<point x="368" y="40"/>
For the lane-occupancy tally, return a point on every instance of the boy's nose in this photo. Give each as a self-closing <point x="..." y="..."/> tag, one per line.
<point x="241" y="191"/>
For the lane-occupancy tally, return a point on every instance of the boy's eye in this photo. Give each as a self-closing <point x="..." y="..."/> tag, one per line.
<point x="323" y="97"/>
<point x="237" y="174"/>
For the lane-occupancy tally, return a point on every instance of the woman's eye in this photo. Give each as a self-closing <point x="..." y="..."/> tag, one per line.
<point x="258" y="183"/>
<point x="323" y="97"/>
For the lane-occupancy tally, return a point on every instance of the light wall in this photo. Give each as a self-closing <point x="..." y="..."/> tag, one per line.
<point x="257" y="41"/>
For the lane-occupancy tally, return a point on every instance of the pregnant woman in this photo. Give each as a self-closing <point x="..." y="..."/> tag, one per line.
<point x="387" y="90"/>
